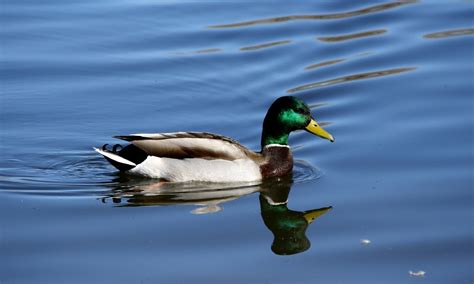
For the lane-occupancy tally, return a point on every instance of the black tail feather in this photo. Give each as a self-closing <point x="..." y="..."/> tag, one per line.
<point x="114" y="148"/>
<point x="129" y="152"/>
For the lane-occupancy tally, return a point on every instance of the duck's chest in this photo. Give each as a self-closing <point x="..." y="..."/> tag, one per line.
<point x="278" y="161"/>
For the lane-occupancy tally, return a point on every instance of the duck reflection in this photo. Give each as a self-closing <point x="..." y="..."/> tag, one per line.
<point x="207" y="196"/>
<point x="288" y="226"/>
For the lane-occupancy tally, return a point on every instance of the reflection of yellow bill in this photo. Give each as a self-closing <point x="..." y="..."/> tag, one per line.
<point x="314" y="128"/>
<point x="313" y="214"/>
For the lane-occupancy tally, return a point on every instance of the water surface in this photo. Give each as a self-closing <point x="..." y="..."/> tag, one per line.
<point x="392" y="81"/>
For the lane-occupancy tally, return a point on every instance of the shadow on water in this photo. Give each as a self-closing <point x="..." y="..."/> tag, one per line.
<point x="288" y="226"/>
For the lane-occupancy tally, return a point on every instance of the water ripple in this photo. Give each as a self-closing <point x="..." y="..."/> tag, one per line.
<point x="352" y="36"/>
<point x="349" y="14"/>
<point x="353" y="77"/>
<point x="265" y="45"/>
<point x="451" y="33"/>
<point x="324" y="63"/>
<point x="197" y="52"/>
<point x="304" y="172"/>
<point x="78" y="173"/>
<point x="334" y="61"/>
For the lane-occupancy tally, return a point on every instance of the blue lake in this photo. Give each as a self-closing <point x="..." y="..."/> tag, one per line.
<point x="392" y="81"/>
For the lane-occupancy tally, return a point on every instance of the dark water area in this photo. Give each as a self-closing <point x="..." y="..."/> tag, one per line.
<point x="391" y="199"/>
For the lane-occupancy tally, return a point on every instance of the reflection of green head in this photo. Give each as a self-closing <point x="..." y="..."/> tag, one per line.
<point x="288" y="226"/>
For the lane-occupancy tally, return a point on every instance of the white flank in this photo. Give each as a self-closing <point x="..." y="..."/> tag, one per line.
<point x="181" y="170"/>
<point x="115" y="157"/>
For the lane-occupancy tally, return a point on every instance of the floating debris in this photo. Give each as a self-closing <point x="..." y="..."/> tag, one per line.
<point x="420" y="273"/>
<point x="365" y="241"/>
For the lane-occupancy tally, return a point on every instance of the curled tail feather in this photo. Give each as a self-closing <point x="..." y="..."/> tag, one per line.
<point x="123" y="158"/>
<point x="114" y="158"/>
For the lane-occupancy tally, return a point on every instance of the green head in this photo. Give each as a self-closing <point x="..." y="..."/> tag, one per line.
<point x="288" y="114"/>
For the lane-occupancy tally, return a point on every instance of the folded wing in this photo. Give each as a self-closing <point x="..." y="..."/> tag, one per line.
<point x="182" y="145"/>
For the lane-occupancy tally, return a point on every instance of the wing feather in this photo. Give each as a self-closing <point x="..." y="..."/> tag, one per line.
<point x="181" y="145"/>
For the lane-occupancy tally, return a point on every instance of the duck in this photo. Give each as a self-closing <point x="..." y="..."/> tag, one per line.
<point x="208" y="157"/>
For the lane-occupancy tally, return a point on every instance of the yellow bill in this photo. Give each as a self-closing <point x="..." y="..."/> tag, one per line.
<point x="314" y="128"/>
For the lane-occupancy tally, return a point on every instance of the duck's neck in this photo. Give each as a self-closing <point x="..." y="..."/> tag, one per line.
<point x="274" y="138"/>
<point x="273" y="132"/>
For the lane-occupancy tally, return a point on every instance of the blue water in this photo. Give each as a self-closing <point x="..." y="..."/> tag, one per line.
<point x="392" y="81"/>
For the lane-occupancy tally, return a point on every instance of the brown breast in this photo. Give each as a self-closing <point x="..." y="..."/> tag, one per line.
<point x="277" y="162"/>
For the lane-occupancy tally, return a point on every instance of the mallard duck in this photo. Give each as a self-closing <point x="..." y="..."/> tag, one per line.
<point x="202" y="156"/>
